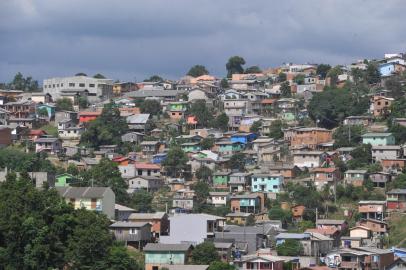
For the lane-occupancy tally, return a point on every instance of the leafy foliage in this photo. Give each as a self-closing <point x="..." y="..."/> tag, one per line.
<point x="256" y="126"/>
<point x="322" y="70"/>
<point x="347" y="136"/>
<point x="175" y="160"/>
<point x="17" y="160"/>
<point x="19" y="82"/>
<point x="204" y="253"/>
<point x="141" y="201"/>
<point x="221" y="122"/>
<point x="64" y="104"/>
<point x="197" y="70"/>
<point x="203" y="114"/>
<point x="290" y="247"/>
<point x="275" y="131"/>
<point x="204" y="173"/>
<point x="237" y="161"/>
<point x="285" y="90"/>
<point x="217" y="265"/>
<point x="235" y="65"/>
<point x="154" y="78"/>
<point x="150" y="106"/>
<point x="253" y="69"/>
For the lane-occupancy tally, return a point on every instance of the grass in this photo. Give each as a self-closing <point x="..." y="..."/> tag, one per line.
<point x="50" y="130"/>
<point x="397" y="232"/>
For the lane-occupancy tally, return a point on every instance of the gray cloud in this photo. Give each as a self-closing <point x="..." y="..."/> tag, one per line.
<point x="132" y="38"/>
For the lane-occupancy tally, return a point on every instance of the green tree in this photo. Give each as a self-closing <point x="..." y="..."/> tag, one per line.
<point x="207" y="143"/>
<point x="175" y="161"/>
<point x="290" y="247"/>
<point x="202" y="190"/>
<point x="285" y="90"/>
<point x="64" y="104"/>
<point x="42" y="112"/>
<point x="299" y="79"/>
<point x="141" y="201"/>
<point x="204" y="173"/>
<point x="322" y="70"/>
<point x="24" y="84"/>
<point x="17" y="160"/>
<point x="256" y="126"/>
<point x="119" y="259"/>
<point x="275" y="131"/>
<point x="205" y="253"/>
<point x="399" y="132"/>
<point x="154" y="78"/>
<point x="82" y="102"/>
<point x="277" y="213"/>
<point x="350" y="135"/>
<point x="197" y="70"/>
<point x="305" y="224"/>
<point x="221" y="121"/>
<point x="81" y="74"/>
<point x="237" y="161"/>
<point x="394" y="85"/>
<point x="372" y="74"/>
<point x="72" y="169"/>
<point x="150" y="106"/>
<point x="333" y="75"/>
<point x="282" y="77"/>
<point x="235" y="66"/>
<point x="217" y="265"/>
<point x="224" y="83"/>
<point x="202" y="113"/>
<point x="361" y="157"/>
<point x="99" y="76"/>
<point x="253" y="70"/>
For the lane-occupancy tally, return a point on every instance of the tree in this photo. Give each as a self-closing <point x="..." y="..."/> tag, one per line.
<point x="303" y="225"/>
<point x="175" y="161"/>
<point x="204" y="173"/>
<point x="106" y="129"/>
<point x="64" y="104"/>
<point x="154" y="78"/>
<point x="285" y="90"/>
<point x="17" y="160"/>
<point x="217" y="265"/>
<point x="150" y="106"/>
<point x="224" y="83"/>
<point x="253" y="70"/>
<point x="290" y="247"/>
<point x="141" y="201"/>
<point x="299" y="79"/>
<point x="99" y="76"/>
<point x="221" y="121"/>
<point x="235" y="66"/>
<point x="72" y="169"/>
<point x="256" y="126"/>
<point x="237" y="161"/>
<point x="42" y="112"/>
<point x="24" y="84"/>
<point x="282" y="77"/>
<point x="107" y="174"/>
<point x="82" y="102"/>
<point x="197" y="70"/>
<point x="394" y="85"/>
<point x="333" y="75"/>
<point x="399" y="132"/>
<point x="345" y="136"/>
<point x="372" y="74"/>
<point x="202" y="113"/>
<point x="275" y="131"/>
<point x="205" y="253"/>
<point x="330" y="107"/>
<point x="322" y="70"/>
<point x="361" y="157"/>
<point x="81" y="74"/>
<point x="207" y="143"/>
<point x="398" y="108"/>
<point x="277" y="213"/>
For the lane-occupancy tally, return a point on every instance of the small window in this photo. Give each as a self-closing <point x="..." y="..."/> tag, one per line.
<point x="81" y="85"/>
<point x="71" y="84"/>
<point x="91" y="85"/>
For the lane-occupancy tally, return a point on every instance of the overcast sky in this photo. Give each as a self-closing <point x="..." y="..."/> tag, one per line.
<point x="128" y="39"/>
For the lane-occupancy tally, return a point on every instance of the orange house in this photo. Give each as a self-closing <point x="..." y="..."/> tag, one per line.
<point x="381" y="105"/>
<point x="122" y="161"/>
<point x="310" y="137"/>
<point x="85" y="117"/>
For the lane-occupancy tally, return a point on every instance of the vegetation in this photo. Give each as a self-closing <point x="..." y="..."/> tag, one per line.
<point x="197" y="70"/>
<point x="204" y="253"/>
<point x="154" y="78"/>
<point x="20" y="82"/>
<point x="289" y="247"/>
<point x="253" y="70"/>
<point x="150" y="106"/>
<point x="175" y="161"/>
<point x="285" y="90"/>
<point x="141" y="201"/>
<point x="221" y="122"/>
<point x="64" y="104"/>
<point x="203" y="114"/>
<point x="235" y="66"/>
<point x="350" y="135"/>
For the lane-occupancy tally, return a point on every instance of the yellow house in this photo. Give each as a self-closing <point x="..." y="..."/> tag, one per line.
<point x="239" y="218"/>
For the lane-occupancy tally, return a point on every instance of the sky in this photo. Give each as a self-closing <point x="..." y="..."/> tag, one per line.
<point x="133" y="39"/>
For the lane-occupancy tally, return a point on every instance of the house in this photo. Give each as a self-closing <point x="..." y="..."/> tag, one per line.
<point x="191" y="147"/>
<point x="266" y="183"/>
<point x="221" y="179"/>
<point x="360" y="120"/>
<point x="372" y="209"/>
<point x="379" y="179"/>
<point x="243" y="138"/>
<point x="147" y="169"/>
<point x="254" y="261"/>
<point x="298" y="212"/>
<point x="48" y="144"/>
<point x="48" y="108"/>
<point x="310" y="137"/>
<point x="248" y="203"/>
<point x="101" y="199"/>
<point x="4" y="116"/>
<point x="183" y="203"/>
<point x="136" y="234"/>
<point x="396" y="199"/>
<point x="380" y="105"/>
<point x="314" y="244"/>
<point x="355" y="177"/>
<point x="148" y="183"/>
<point x="159" y="158"/>
<point x="228" y="148"/>
<point x="159" y="222"/>
<point x="239" y="181"/>
<point x="122" y="212"/>
<point x="87" y="116"/>
<point x="359" y="258"/>
<point x="150" y="148"/>
<point x="309" y="159"/>
<point x="329" y="224"/>
<point x="20" y="109"/>
<point x="378" y="139"/>
<point x="64" y="180"/>
<point x="133" y="137"/>
<point x="70" y="133"/>
<point x="325" y="176"/>
<point x="176" y="110"/>
<point x="288" y="171"/>
<point x="192" y="228"/>
<point x="138" y="122"/>
<point x="239" y="218"/>
<point x="219" y="198"/>
<point x="66" y="115"/>
<point x="5" y="136"/>
<point x="386" y="152"/>
<point x="157" y="255"/>
<point x="377" y="227"/>
<point x="393" y="166"/>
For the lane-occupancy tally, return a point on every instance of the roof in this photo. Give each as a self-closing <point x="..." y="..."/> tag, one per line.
<point x="120" y="207"/>
<point x="292" y="236"/>
<point x="97" y="113"/>
<point x="166" y="247"/>
<point x="386" y="147"/>
<point x="46" y="140"/>
<point x="184" y="267"/>
<point x="397" y="191"/>
<point x="147" y="166"/>
<point x="356" y="171"/>
<point x="376" y="134"/>
<point x="330" y="221"/>
<point x="219" y="193"/>
<point x="37" y="132"/>
<point x="238" y="214"/>
<point x="245" y="196"/>
<point x="141" y="118"/>
<point x="146" y="216"/>
<point x="154" y="93"/>
<point x="82" y="192"/>
<point x="222" y="244"/>
<point x="372" y="202"/>
<point x="129" y="224"/>
<point x="149" y="142"/>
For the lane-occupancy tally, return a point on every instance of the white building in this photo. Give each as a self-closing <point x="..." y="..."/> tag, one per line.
<point x="94" y="89"/>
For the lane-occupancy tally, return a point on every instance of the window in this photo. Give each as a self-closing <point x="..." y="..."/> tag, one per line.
<point x="91" y="85"/>
<point x="71" y="84"/>
<point x="132" y="231"/>
<point x="81" y="85"/>
<point x="61" y="84"/>
<point x="275" y="187"/>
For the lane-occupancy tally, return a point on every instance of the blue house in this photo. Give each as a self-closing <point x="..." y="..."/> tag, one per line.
<point x="266" y="183"/>
<point x="49" y="108"/>
<point x="159" y="158"/>
<point x="243" y="137"/>
<point x="387" y="69"/>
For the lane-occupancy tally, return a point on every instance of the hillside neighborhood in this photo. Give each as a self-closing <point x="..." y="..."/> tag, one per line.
<point x="296" y="166"/>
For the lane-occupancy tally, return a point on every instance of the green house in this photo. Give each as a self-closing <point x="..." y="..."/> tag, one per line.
<point x="157" y="254"/>
<point x="64" y="180"/>
<point x="221" y="178"/>
<point x="191" y="147"/>
<point x="376" y="139"/>
<point x="178" y="106"/>
<point x="229" y="148"/>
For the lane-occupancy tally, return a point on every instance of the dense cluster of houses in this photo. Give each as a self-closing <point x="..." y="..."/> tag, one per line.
<point x="167" y="238"/>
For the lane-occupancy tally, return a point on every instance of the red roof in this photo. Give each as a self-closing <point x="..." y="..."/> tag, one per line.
<point x="147" y="166"/>
<point x="90" y="113"/>
<point x="120" y="159"/>
<point x="37" y="132"/>
<point x="325" y="170"/>
<point x="268" y="101"/>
